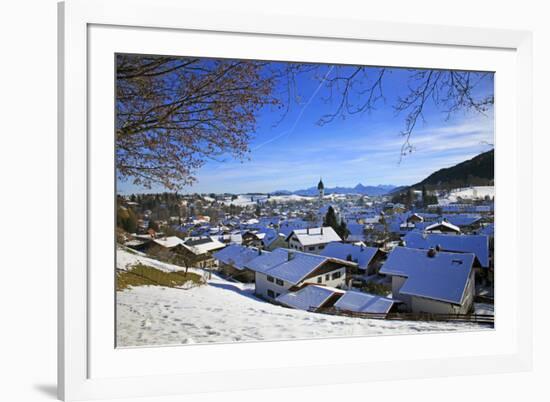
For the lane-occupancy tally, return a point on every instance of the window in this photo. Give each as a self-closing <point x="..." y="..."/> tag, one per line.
<point x="327" y="277"/>
<point x="311" y="248"/>
<point x="336" y="275"/>
<point x="279" y="282"/>
<point x="269" y="278"/>
<point x="319" y="279"/>
<point x="321" y="247"/>
<point x="271" y="293"/>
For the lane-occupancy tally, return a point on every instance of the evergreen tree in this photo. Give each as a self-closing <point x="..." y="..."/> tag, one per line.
<point x="339" y="227"/>
<point x="131" y="223"/>
<point x="424" y="196"/>
<point x="330" y="219"/>
<point x="409" y="200"/>
<point x="343" y="231"/>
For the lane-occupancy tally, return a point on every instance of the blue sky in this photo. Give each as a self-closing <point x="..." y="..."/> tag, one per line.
<point x="364" y="148"/>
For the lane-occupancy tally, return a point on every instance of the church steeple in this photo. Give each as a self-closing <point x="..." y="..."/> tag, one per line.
<point x="321" y="189"/>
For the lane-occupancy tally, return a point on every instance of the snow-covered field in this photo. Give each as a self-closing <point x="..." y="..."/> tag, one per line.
<point x="223" y="311"/>
<point x="476" y="192"/>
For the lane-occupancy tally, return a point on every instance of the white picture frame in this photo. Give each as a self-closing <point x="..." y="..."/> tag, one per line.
<point x="89" y="365"/>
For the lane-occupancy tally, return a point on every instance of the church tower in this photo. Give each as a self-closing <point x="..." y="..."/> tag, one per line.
<point x="321" y="189"/>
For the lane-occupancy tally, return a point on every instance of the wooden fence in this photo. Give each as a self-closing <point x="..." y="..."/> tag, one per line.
<point x="478" y="318"/>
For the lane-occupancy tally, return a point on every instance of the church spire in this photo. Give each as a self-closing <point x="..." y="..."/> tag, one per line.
<point x="320" y="186"/>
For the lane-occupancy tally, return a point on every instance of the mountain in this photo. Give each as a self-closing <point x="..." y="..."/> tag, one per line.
<point x="477" y="171"/>
<point x="381" y="189"/>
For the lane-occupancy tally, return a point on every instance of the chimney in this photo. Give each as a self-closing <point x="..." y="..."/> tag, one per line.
<point x="259" y="251"/>
<point x="307" y="230"/>
<point x="290" y="255"/>
<point x="362" y="246"/>
<point x="432" y="252"/>
<point x="321" y="230"/>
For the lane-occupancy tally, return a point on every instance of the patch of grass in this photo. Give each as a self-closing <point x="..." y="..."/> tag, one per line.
<point x="143" y="275"/>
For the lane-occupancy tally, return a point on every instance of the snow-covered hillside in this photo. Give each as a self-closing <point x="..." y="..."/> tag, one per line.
<point x="223" y="311"/>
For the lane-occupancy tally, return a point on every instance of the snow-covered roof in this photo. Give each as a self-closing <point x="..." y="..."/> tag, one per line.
<point x="203" y="245"/>
<point x="444" y="224"/>
<point x="443" y="276"/>
<point x="168" y="242"/>
<point x="136" y="242"/>
<point x="286" y="227"/>
<point x="462" y="219"/>
<point x="476" y="244"/>
<point x="364" y="303"/>
<point x="271" y="235"/>
<point x="417" y="216"/>
<point x="236" y="255"/>
<point x="362" y="255"/>
<point x="488" y="230"/>
<point x="311" y="236"/>
<point x="308" y="298"/>
<point x="290" y="265"/>
<point x="356" y="231"/>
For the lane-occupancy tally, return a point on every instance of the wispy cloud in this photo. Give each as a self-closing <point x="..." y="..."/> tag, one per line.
<point x="300" y="114"/>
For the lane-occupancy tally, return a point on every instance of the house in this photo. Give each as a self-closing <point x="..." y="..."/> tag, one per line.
<point x="312" y="240"/>
<point x="311" y="297"/>
<point x="231" y="238"/>
<point x="415" y="218"/>
<point x="474" y="244"/>
<point x="168" y="242"/>
<point x="368" y="259"/>
<point x="431" y="281"/>
<point x="267" y="239"/>
<point x="150" y="244"/>
<point x="443" y="227"/>
<point x="232" y="260"/>
<point x="252" y="238"/>
<point x="139" y="244"/>
<point x="285" y="270"/>
<point x="360" y="302"/>
<point x="464" y="221"/>
<point x="199" y="250"/>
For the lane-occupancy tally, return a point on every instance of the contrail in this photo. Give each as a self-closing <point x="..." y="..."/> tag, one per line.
<point x="289" y="131"/>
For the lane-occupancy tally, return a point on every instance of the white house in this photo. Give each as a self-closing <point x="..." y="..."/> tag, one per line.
<point x="312" y="240"/>
<point x="285" y="270"/>
<point x="431" y="281"/>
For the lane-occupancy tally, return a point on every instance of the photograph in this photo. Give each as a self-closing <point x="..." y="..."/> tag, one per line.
<point x="269" y="200"/>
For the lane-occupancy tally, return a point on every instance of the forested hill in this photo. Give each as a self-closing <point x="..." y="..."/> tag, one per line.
<point x="478" y="171"/>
